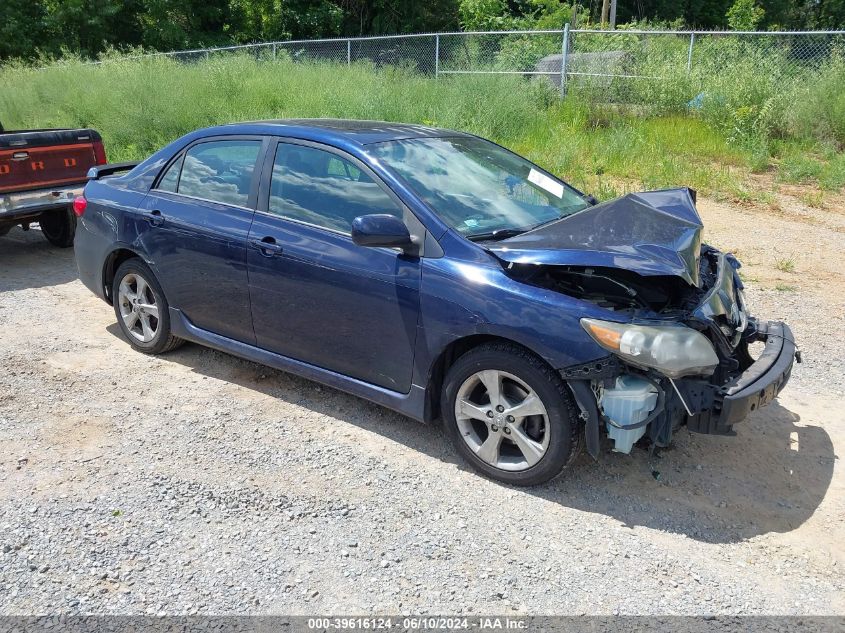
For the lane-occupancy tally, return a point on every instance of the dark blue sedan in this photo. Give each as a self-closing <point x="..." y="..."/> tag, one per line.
<point x="440" y="275"/>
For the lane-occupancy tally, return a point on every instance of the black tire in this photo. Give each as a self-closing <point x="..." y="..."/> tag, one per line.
<point x="59" y="227"/>
<point x="564" y="426"/>
<point x="162" y="341"/>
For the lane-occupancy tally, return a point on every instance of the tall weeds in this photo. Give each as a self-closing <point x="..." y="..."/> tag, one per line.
<point x="141" y="104"/>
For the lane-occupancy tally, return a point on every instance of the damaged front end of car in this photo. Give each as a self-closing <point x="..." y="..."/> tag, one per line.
<point x="677" y="330"/>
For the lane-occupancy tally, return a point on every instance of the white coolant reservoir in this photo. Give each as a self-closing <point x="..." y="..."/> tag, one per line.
<point x="629" y="401"/>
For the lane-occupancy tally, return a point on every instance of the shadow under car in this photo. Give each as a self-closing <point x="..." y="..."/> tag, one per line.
<point x="771" y="477"/>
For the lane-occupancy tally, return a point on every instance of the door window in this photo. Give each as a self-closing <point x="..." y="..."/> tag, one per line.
<point x="321" y="188"/>
<point x="170" y="180"/>
<point x="220" y="171"/>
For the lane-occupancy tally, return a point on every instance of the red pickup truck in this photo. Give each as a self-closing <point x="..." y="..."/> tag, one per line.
<point x="41" y="172"/>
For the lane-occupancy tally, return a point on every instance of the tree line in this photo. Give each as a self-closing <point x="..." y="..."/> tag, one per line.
<point x="30" y="29"/>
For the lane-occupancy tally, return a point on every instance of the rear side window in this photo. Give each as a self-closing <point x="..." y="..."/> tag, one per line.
<point x="324" y="189"/>
<point x="170" y="180"/>
<point x="220" y="171"/>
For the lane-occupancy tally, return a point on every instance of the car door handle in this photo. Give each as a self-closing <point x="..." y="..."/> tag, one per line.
<point x="155" y="217"/>
<point x="267" y="246"/>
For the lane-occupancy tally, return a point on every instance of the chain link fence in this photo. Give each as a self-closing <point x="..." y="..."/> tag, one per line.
<point x="616" y="66"/>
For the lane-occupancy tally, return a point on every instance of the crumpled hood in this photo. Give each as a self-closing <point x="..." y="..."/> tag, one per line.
<point x="650" y="233"/>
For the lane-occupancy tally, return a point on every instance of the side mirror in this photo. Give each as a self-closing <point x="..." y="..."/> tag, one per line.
<point x="380" y="229"/>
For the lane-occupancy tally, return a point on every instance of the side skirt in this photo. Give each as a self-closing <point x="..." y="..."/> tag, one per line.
<point x="411" y="404"/>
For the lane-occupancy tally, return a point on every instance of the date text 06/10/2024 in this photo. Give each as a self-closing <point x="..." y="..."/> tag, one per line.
<point x="418" y="623"/>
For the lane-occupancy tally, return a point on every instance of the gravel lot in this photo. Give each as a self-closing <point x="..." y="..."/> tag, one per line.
<point x="197" y="482"/>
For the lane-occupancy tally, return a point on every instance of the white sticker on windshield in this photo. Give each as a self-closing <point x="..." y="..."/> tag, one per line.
<point x="544" y="182"/>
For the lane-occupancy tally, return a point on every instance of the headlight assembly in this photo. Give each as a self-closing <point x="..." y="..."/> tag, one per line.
<point x="673" y="350"/>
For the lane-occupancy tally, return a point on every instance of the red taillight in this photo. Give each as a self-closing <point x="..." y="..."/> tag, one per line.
<point x="79" y="204"/>
<point x="99" y="153"/>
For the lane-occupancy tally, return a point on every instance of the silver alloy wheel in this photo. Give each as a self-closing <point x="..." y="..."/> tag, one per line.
<point x="138" y="307"/>
<point x="502" y="420"/>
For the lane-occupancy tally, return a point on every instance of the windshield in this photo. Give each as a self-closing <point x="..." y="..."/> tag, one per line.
<point x="482" y="190"/>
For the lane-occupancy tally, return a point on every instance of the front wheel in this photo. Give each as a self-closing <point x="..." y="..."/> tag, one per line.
<point x="510" y="415"/>
<point x="141" y="309"/>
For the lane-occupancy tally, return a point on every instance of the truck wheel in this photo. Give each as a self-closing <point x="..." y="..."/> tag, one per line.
<point x="58" y="227"/>
<point x="141" y="309"/>
<point x="510" y="415"/>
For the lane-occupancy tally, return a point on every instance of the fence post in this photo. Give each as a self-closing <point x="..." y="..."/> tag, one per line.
<point x="564" y="52"/>
<point x="348" y="52"/>
<point x="689" y="54"/>
<point x="437" y="55"/>
<point x="274" y="50"/>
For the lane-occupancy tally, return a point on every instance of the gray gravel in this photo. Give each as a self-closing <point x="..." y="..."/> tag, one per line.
<point x="200" y="483"/>
<point x="818" y="324"/>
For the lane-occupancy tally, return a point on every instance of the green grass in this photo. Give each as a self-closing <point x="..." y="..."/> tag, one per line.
<point x="806" y="162"/>
<point x="748" y="278"/>
<point x="140" y="105"/>
<point x="785" y="264"/>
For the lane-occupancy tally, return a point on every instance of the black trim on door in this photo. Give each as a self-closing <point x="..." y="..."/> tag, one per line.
<point x="415" y="225"/>
<point x="255" y="182"/>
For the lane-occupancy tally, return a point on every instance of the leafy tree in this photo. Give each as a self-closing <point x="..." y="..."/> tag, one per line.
<point x="22" y="28"/>
<point x="831" y="14"/>
<point x="89" y="26"/>
<point x="548" y="14"/>
<point x="174" y="24"/>
<point x="744" y="15"/>
<point x="484" y="15"/>
<point x="662" y="10"/>
<point x="706" y="14"/>
<point x="711" y="14"/>
<point x="374" y="17"/>
<point x="498" y="15"/>
<point x="262" y="20"/>
<point x="32" y="27"/>
<point x="310" y="19"/>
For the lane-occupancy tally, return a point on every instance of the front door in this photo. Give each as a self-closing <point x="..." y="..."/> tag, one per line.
<point x="318" y="297"/>
<point x="198" y="217"/>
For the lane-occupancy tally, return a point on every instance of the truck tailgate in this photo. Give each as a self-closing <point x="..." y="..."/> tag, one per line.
<point x="36" y="160"/>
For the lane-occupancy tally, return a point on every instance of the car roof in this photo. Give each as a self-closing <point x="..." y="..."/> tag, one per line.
<point x="338" y="131"/>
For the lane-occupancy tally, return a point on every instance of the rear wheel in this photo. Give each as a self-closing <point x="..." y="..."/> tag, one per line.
<point x="141" y="309"/>
<point x="59" y="227"/>
<point x="510" y="415"/>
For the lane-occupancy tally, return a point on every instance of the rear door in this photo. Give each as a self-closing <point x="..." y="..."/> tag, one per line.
<point x="194" y="228"/>
<point x="317" y="296"/>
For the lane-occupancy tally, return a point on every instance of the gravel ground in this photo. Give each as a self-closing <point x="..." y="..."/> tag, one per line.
<point x="200" y="483"/>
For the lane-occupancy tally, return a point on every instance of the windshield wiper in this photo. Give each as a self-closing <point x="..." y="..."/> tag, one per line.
<point x="503" y="234"/>
<point x="498" y="234"/>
